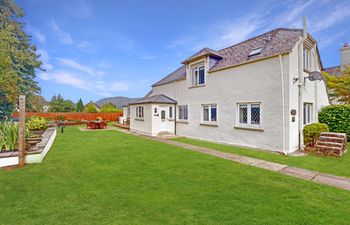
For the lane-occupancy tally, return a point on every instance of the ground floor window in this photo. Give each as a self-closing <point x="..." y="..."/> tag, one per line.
<point x="209" y="113"/>
<point x="170" y="112"/>
<point x="139" y="112"/>
<point x="183" y="112"/>
<point x="307" y="113"/>
<point x="249" y="113"/>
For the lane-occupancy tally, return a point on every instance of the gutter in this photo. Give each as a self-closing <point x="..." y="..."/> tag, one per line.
<point x="283" y="107"/>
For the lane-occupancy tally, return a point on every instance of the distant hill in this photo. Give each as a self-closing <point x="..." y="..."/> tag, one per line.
<point x="117" y="101"/>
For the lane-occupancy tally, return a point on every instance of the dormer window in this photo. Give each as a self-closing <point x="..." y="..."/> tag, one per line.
<point x="198" y="75"/>
<point x="255" y="51"/>
<point x="307" y="59"/>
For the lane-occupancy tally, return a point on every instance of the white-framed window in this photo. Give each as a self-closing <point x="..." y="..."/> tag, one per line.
<point x="139" y="112"/>
<point x="170" y="112"/>
<point x="308" y="112"/>
<point x="209" y="113"/>
<point x="183" y="112"/>
<point x="307" y="58"/>
<point x="249" y="114"/>
<point x="198" y="75"/>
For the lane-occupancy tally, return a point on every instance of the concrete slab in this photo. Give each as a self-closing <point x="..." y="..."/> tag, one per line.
<point x="271" y="166"/>
<point x="250" y="161"/>
<point x="340" y="182"/>
<point x="300" y="173"/>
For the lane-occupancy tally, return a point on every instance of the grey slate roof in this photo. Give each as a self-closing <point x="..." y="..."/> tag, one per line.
<point x="204" y="52"/>
<point x="273" y="43"/>
<point x="335" y="71"/>
<point x="154" y="99"/>
<point x="178" y="74"/>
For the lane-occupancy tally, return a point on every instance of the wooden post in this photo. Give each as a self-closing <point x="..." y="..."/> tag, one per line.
<point x="21" y="127"/>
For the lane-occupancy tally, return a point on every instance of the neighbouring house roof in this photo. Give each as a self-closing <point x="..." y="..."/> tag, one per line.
<point x="335" y="71"/>
<point x="154" y="99"/>
<point x="202" y="53"/>
<point x="273" y="43"/>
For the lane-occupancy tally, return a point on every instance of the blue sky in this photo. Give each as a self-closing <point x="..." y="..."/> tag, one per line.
<point x="93" y="49"/>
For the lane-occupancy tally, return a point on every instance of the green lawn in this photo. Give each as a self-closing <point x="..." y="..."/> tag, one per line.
<point x="332" y="165"/>
<point x="109" y="177"/>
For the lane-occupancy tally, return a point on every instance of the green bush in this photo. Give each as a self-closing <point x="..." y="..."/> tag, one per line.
<point x="312" y="132"/>
<point x="36" y="123"/>
<point x="337" y="117"/>
<point x="9" y="136"/>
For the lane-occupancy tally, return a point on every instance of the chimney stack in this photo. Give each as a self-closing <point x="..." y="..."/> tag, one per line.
<point x="305" y="27"/>
<point x="345" y="56"/>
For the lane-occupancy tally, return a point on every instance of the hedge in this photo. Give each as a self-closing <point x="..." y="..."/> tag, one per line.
<point x="337" y="117"/>
<point x="312" y="132"/>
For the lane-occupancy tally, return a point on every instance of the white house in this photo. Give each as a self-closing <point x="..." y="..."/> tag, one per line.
<point x="258" y="93"/>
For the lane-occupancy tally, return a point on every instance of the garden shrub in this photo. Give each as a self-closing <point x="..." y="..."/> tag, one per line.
<point x="337" y="117"/>
<point x="36" y="123"/>
<point x="312" y="132"/>
<point x="9" y="136"/>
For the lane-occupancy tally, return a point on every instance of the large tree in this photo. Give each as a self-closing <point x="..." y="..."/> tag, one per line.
<point x="59" y="104"/>
<point x="109" y="107"/>
<point x="339" y="87"/>
<point x="80" y="106"/>
<point x="18" y="58"/>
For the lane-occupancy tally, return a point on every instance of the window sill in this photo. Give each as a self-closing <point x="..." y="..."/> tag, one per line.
<point x="249" y="128"/>
<point x="171" y="119"/>
<point x="182" y="121"/>
<point x="139" y="119"/>
<point x="307" y="71"/>
<point x="209" y="124"/>
<point x="201" y="85"/>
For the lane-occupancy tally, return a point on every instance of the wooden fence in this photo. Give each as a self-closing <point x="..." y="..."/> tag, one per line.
<point x="76" y="116"/>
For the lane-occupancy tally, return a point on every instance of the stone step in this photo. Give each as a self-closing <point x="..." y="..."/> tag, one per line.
<point x="329" y="144"/>
<point x="324" y="148"/>
<point x="331" y="134"/>
<point x="332" y="139"/>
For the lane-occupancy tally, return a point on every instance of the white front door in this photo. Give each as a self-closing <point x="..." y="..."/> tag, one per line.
<point x="163" y="120"/>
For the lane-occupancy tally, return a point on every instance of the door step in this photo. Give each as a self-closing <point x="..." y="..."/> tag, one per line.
<point x="331" y="144"/>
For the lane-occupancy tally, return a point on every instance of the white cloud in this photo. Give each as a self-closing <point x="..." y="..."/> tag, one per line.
<point x="222" y="33"/>
<point x="83" y="68"/>
<point x="266" y="16"/>
<point x="327" y="20"/>
<point x="64" y="36"/>
<point x="293" y="14"/>
<point x="63" y="77"/>
<point x="76" y="80"/>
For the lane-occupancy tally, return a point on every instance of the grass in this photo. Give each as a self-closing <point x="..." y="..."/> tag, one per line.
<point x="338" y="166"/>
<point x="108" y="177"/>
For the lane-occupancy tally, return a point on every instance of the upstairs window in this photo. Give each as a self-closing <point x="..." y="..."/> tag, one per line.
<point x="183" y="112"/>
<point x="307" y="59"/>
<point x="255" y="51"/>
<point x="209" y="113"/>
<point x="198" y="75"/>
<point x="249" y="114"/>
<point x="139" y="112"/>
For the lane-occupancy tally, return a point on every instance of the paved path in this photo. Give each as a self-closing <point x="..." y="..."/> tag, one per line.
<point x="331" y="180"/>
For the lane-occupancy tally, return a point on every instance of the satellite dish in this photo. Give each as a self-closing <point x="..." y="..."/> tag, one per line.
<point x="315" y="75"/>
